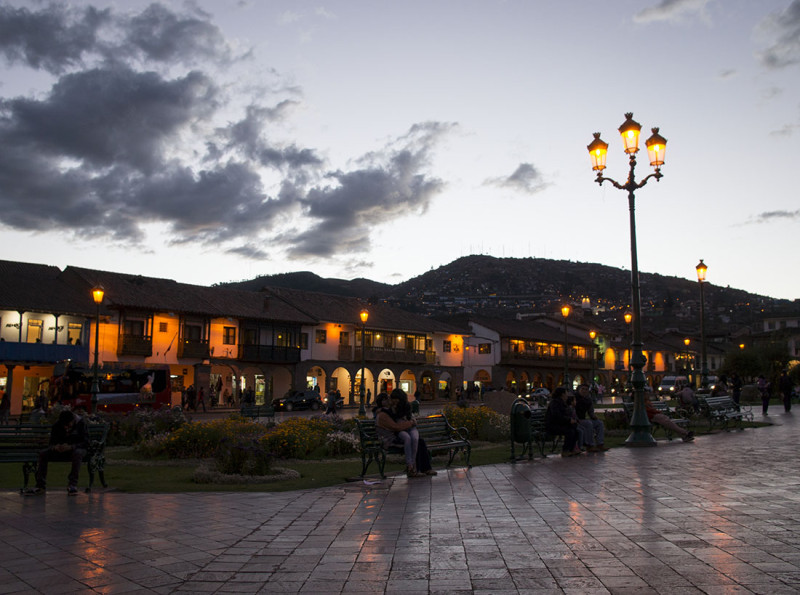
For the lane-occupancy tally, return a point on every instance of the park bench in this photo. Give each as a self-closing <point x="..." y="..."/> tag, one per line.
<point x="22" y="443"/>
<point x="532" y="432"/>
<point x="721" y="411"/>
<point x="257" y="411"/>
<point x="439" y="436"/>
<point x="676" y="415"/>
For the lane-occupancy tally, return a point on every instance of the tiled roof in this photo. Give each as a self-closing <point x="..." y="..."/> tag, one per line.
<point x="165" y="295"/>
<point x="526" y="329"/>
<point x="39" y="288"/>
<point x="346" y="310"/>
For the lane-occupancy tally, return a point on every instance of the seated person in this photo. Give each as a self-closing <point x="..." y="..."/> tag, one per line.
<point x="69" y="441"/>
<point x="560" y="421"/>
<point x="396" y="426"/>
<point x="688" y="399"/>
<point x="663" y="420"/>
<point x="592" y="428"/>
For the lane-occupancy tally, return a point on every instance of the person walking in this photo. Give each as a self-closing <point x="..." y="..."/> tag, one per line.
<point x="786" y="385"/>
<point x="736" y="388"/>
<point x="763" y="389"/>
<point x="201" y="398"/>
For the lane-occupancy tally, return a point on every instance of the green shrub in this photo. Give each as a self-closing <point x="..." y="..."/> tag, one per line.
<point x="481" y="422"/>
<point x="130" y="428"/>
<point x="201" y="440"/>
<point x="341" y="443"/>
<point x="297" y="437"/>
<point x="242" y="456"/>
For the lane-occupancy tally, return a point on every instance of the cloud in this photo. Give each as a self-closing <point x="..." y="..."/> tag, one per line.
<point x="141" y="128"/>
<point x="672" y="11"/>
<point x="784" y="28"/>
<point x="390" y="184"/>
<point x="526" y="178"/>
<point x="770" y="216"/>
<point x="53" y="39"/>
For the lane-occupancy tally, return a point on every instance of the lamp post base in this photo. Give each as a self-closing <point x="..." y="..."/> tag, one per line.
<point x="641" y="437"/>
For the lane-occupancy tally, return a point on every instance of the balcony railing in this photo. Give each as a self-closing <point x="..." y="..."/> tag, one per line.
<point x="269" y="354"/>
<point x="526" y="358"/>
<point x="193" y="349"/>
<point x="387" y="354"/>
<point x="135" y="345"/>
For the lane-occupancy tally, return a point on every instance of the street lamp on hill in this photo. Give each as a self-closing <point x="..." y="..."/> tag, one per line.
<point x="565" y="310"/>
<point x="656" y="144"/>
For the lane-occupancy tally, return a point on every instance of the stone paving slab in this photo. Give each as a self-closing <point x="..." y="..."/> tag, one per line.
<point x="720" y="515"/>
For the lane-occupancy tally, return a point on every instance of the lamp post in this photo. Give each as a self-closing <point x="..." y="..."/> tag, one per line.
<point x="656" y="144"/>
<point x="686" y="365"/>
<point x="701" y="278"/>
<point x="364" y="316"/>
<point x="592" y="335"/>
<point x="628" y="317"/>
<point x="97" y="296"/>
<point x="565" y="310"/>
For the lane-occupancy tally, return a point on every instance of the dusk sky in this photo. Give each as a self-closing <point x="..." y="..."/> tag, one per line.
<point x="217" y="140"/>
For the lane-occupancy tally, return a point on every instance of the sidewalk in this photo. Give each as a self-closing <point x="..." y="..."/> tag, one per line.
<point x="719" y="515"/>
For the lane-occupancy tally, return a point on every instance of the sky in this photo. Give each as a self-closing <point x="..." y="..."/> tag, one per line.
<point x="220" y="140"/>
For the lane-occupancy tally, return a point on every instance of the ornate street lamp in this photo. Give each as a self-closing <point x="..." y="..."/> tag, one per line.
<point x="701" y="278"/>
<point x="97" y="296"/>
<point x="565" y="310"/>
<point x="364" y="316"/>
<point x="656" y="144"/>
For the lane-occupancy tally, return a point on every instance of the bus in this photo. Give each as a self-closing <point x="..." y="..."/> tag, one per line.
<point x="121" y="389"/>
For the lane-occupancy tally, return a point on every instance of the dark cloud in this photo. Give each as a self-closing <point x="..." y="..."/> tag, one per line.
<point x="161" y="35"/>
<point x="770" y="216"/>
<point x="785" y="27"/>
<point x="390" y="184"/>
<point x="526" y="178"/>
<point x="53" y="39"/>
<point x="671" y="10"/>
<point x="133" y="132"/>
<point x="105" y="117"/>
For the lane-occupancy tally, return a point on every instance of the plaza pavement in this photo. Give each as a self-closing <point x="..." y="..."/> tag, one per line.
<point x="720" y="515"/>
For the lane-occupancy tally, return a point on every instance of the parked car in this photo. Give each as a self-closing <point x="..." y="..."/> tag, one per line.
<point x="670" y="385"/>
<point x="298" y="399"/>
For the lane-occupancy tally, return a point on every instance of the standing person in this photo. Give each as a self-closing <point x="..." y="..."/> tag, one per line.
<point x="763" y="389"/>
<point x="736" y="388"/>
<point x="559" y="421"/>
<point x="369" y="396"/>
<point x="201" y="398"/>
<point x="69" y="441"/>
<point x="786" y="385"/>
<point x="331" y="408"/>
<point x="5" y="408"/>
<point x="593" y="428"/>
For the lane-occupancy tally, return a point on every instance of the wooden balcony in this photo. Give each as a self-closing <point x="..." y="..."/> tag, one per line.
<point x="193" y="349"/>
<point x="269" y="354"/>
<point x="135" y="345"/>
<point x="388" y="355"/>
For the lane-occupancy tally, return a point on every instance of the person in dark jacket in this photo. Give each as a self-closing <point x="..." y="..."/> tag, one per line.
<point x="559" y="420"/>
<point x="69" y="441"/>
